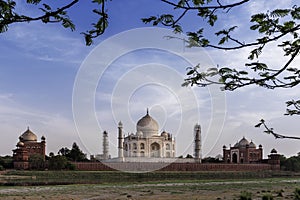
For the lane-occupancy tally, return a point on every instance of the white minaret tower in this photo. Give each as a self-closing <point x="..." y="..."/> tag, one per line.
<point x="197" y="153"/>
<point x="105" y="145"/>
<point x="120" y="140"/>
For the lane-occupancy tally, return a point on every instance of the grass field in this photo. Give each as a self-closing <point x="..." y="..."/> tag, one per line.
<point x="119" y="185"/>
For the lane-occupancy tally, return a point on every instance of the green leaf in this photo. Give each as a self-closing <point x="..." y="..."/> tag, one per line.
<point x="190" y="72"/>
<point x="225" y="70"/>
<point x="212" y="19"/>
<point x="243" y="72"/>
<point x="258" y="125"/>
<point x="33" y="1"/>
<point x="177" y="29"/>
<point x="223" y="40"/>
<point x="67" y="23"/>
<point x="198" y="2"/>
<point x="280" y="13"/>
<point x="47" y="7"/>
<point x="254" y="27"/>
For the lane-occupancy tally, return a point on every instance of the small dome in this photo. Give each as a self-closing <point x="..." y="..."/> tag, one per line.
<point x="252" y="145"/>
<point x="139" y="133"/>
<point x="164" y="134"/>
<point x="28" y="136"/>
<point x="243" y="142"/>
<point x="236" y="144"/>
<point x="224" y="147"/>
<point x="147" y="125"/>
<point x="120" y="124"/>
<point x="20" y="144"/>
<point x="273" y="151"/>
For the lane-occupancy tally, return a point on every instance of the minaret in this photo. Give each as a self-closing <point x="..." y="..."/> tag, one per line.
<point x="197" y="132"/>
<point x="105" y="145"/>
<point x="120" y="140"/>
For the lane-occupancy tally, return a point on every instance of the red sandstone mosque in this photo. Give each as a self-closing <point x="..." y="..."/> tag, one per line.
<point x="26" y="147"/>
<point x="243" y="152"/>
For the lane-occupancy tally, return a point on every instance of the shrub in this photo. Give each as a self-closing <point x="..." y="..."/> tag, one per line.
<point x="245" y="195"/>
<point x="267" y="197"/>
<point x="1" y="168"/>
<point x="280" y="193"/>
<point x="297" y="194"/>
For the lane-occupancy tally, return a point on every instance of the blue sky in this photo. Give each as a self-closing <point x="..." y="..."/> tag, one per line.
<point x="40" y="63"/>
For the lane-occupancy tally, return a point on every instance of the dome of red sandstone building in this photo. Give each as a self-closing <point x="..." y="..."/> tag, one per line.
<point x="28" y="136"/>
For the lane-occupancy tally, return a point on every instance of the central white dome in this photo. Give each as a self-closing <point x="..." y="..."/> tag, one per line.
<point x="147" y="125"/>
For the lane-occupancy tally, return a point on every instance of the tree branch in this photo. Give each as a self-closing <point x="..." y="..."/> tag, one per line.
<point x="206" y="7"/>
<point x="276" y="135"/>
<point x="28" y="19"/>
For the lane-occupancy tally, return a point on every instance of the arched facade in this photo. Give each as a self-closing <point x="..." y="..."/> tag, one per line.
<point x="243" y="152"/>
<point x="147" y="142"/>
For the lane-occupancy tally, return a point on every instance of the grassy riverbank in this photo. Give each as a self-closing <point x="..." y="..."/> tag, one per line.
<point x="54" y="185"/>
<point x="21" y="178"/>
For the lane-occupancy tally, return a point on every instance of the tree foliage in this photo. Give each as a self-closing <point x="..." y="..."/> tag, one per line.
<point x="6" y="162"/>
<point x="36" y="162"/>
<point x="75" y="154"/>
<point x="290" y="164"/>
<point x="59" y="162"/>
<point x="48" y="14"/>
<point x="278" y="27"/>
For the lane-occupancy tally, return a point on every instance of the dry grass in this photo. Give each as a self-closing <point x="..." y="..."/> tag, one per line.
<point x="156" y="191"/>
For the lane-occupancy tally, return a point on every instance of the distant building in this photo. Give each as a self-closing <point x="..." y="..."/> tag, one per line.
<point x="26" y="147"/>
<point x="243" y="152"/>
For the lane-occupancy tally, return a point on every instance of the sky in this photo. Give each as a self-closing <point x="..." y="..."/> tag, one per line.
<point x="68" y="92"/>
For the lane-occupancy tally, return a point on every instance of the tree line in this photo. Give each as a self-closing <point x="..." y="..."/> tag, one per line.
<point x="65" y="156"/>
<point x="62" y="161"/>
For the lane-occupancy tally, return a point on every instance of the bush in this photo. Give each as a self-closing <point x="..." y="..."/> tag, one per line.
<point x="245" y="195"/>
<point x="6" y="162"/>
<point x="297" y="194"/>
<point x="267" y="197"/>
<point x="280" y="193"/>
<point x="70" y="166"/>
<point x="1" y="168"/>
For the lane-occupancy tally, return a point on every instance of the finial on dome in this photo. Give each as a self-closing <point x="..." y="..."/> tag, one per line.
<point x="147" y="111"/>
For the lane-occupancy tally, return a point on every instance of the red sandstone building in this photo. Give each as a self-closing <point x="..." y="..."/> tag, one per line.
<point x="26" y="147"/>
<point x="243" y="152"/>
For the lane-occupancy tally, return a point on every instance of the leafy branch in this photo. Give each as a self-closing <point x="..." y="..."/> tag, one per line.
<point x="8" y="16"/>
<point x="273" y="26"/>
<point x="271" y="131"/>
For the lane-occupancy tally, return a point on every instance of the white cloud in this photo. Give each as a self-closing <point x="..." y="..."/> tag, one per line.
<point x="15" y="117"/>
<point x="47" y="43"/>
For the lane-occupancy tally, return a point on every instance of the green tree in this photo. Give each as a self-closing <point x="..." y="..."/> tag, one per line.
<point x="64" y="151"/>
<point x="36" y="162"/>
<point x="75" y="154"/>
<point x="189" y="156"/>
<point x="6" y="162"/>
<point x="58" y="162"/>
